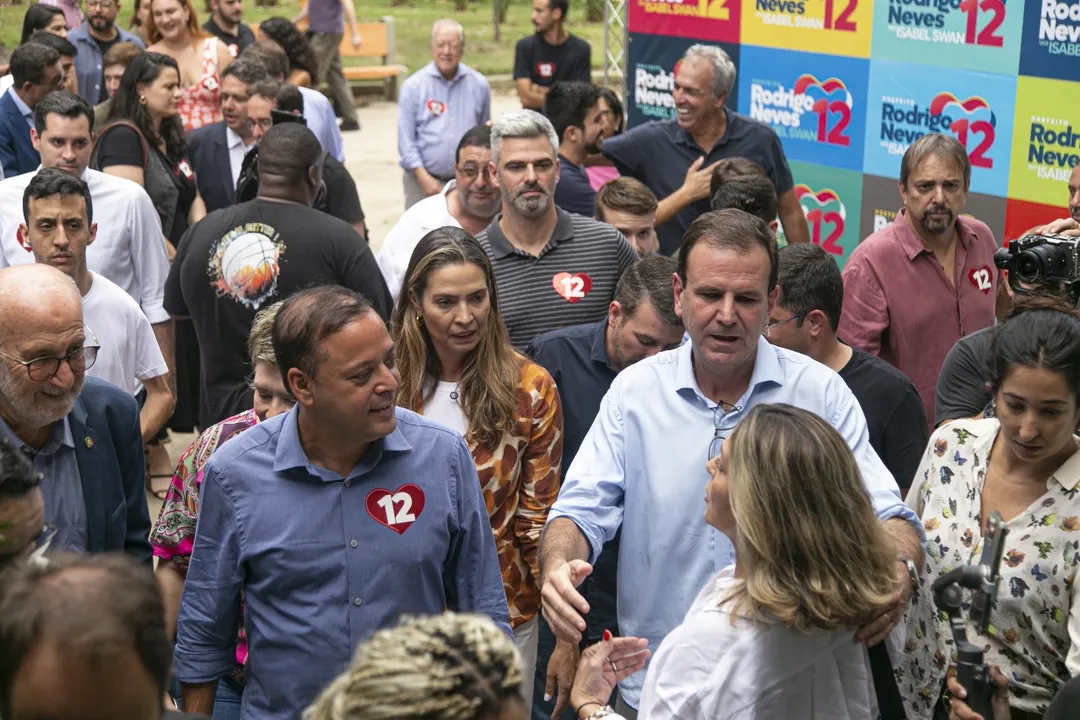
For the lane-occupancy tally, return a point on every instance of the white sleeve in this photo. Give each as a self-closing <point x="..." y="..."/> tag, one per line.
<point x="149" y="362"/>
<point x="149" y="261"/>
<point x="1072" y="659"/>
<point x="396" y="251"/>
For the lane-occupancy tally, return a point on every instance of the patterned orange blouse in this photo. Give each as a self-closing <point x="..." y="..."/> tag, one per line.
<point x="520" y="478"/>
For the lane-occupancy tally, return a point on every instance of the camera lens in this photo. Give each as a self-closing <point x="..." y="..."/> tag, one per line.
<point x="1028" y="268"/>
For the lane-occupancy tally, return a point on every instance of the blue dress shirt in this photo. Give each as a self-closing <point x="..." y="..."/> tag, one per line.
<point x="89" y="60"/>
<point x="324" y="561"/>
<point x="24" y="109"/>
<point x="643" y="465"/>
<point x="320" y="118"/>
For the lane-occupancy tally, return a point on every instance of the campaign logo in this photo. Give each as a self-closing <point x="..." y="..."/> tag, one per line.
<point x="653" y="63"/>
<point x="545" y="69"/>
<point x="904" y="121"/>
<point x="826" y="216"/>
<point x="792" y="14"/>
<point x="436" y="107"/>
<point x="828" y="105"/>
<point x="709" y="20"/>
<point x="831" y="201"/>
<point x="830" y="27"/>
<point x="653" y="87"/>
<point x="1046" y="143"/>
<point x="1051" y="41"/>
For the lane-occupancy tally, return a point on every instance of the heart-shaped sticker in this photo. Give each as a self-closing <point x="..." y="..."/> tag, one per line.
<point x="396" y="509"/>
<point x="982" y="278"/>
<point x="436" y="107"/>
<point x="545" y="69"/>
<point x="574" y="287"/>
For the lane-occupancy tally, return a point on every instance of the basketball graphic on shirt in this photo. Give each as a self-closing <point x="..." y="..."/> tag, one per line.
<point x="245" y="264"/>
<point x="545" y="69"/>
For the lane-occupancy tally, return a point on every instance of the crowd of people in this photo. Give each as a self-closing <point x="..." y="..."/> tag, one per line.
<point x="582" y="440"/>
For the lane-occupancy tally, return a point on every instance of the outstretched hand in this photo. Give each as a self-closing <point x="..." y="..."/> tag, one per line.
<point x="605" y="665"/>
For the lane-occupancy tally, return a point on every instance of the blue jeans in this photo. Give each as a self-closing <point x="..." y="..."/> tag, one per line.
<point x="227" y="700"/>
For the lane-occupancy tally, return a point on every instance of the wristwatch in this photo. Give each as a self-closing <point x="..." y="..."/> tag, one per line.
<point x="912" y="571"/>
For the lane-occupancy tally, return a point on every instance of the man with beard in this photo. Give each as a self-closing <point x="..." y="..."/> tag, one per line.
<point x="468" y="201"/>
<point x="92" y="39"/>
<point x="225" y="24"/>
<point x="549" y="55"/>
<point x="914" y="288"/>
<point x="578" y="116"/>
<point x="82" y="434"/>
<point x="552" y="269"/>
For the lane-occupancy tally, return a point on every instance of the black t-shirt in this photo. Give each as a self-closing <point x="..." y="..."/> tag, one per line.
<point x="961" y="384"/>
<point x="237" y="43"/>
<point x="894" y="413"/>
<point x="243" y="258"/>
<point x="546" y="64"/>
<point x="342" y="200"/>
<point x="573" y="192"/>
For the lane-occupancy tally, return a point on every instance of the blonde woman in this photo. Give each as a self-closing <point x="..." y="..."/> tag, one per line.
<point x="773" y="635"/>
<point x="458" y="368"/>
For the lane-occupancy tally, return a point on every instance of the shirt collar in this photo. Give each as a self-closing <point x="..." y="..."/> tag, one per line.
<point x="59" y="436"/>
<point x="23" y="107"/>
<point x="448" y="187"/>
<point x="599" y="344"/>
<point x="232" y="138"/>
<point x="767" y="371"/>
<point x="434" y="72"/>
<point x="501" y="247"/>
<point x="683" y="138"/>
<point x="1068" y="475"/>
<point x="290" y="452"/>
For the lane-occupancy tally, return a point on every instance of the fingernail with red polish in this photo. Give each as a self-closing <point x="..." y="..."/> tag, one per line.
<point x="607" y="635"/>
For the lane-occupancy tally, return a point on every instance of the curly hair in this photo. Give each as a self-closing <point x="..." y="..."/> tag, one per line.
<point x="292" y="41"/>
<point x="442" y="667"/>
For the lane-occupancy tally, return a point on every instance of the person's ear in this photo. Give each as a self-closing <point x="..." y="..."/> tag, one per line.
<point x="415" y="305"/>
<point x="493" y="174"/>
<point x="774" y="226"/>
<point x="772" y="301"/>
<point x="677" y="288"/>
<point x="614" y="312"/>
<point x="92" y="236"/>
<point x="313" y="177"/>
<point x="35" y="139"/>
<point x="301" y="387"/>
<point x="817" y="321"/>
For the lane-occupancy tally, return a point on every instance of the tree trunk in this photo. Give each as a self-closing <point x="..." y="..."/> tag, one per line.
<point x="461" y="5"/>
<point x="496" y="18"/>
<point x="594" y="11"/>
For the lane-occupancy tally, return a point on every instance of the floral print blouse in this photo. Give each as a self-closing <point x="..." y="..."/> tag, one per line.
<point x="1035" y="626"/>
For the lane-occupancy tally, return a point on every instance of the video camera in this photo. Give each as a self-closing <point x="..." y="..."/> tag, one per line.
<point x="1048" y="260"/>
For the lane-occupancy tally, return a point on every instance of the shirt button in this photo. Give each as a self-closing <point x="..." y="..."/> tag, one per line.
<point x="348" y="483"/>
<point x="353" y="543"/>
<point x="357" y="602"/>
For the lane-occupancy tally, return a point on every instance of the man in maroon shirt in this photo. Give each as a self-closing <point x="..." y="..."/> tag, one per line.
<point x="914" y="288"/>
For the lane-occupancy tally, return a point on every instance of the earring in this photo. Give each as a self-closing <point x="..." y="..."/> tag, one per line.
<point x="142" y="99"/>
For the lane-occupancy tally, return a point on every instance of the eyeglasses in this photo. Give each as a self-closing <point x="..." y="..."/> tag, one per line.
<point x="720" y="433"/>
<point x="471" y="171"/>
<point x="263" y="123"/>
<point x="778" y="323"/>
<point x="43" y="369"/>
<point x="103" y="4"/>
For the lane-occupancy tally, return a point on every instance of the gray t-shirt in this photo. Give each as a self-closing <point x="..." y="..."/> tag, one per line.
<point x="326" y="16"/>
<point x="962" y="390"/>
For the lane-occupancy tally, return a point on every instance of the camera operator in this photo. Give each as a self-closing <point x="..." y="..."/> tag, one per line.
<point x="961" y="386"/>
<point x="1024" y="465"/>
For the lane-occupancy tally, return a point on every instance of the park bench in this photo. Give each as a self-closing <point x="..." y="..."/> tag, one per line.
<point x="378" y="42"/>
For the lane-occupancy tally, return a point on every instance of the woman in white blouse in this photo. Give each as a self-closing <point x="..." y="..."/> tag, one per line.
<point x="773" y="635"/>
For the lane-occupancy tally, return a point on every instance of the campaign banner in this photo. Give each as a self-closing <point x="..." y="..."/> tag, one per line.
<point x="702" y="20"/>
<point x="1046" y="139"/>
<point x="835" y="27"/>
<point x="881" y="201"/>
<point x="1021" y="216"/>
<point x="1050" y="45"/>
<point x="816" y="104"/>
<point x="967" y="34"/>
<point x="830" y="199"/>
<point x="650" y="77"/>
<point x="907" y="101"/>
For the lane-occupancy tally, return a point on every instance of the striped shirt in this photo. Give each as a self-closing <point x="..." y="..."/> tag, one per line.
<point x="571" y="281"/>
<point x="433" y="114"/>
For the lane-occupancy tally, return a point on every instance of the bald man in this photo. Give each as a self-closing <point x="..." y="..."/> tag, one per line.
<point x="82" y="434"/>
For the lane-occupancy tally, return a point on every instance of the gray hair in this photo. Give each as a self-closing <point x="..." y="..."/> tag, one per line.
<point x="448" y="24"/>
<point x="945" y="146"/>
<point x="521" y="124"/>
<point x="723" y="70"/>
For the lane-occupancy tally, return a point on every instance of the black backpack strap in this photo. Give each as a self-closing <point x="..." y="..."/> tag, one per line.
<point x="890" y="704"/>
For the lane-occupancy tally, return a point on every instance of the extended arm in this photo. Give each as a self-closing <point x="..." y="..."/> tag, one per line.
<point x="792" y="218"/>
<point x="866" y="314"/>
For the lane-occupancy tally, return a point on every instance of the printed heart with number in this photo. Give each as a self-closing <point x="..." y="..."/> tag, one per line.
<point x="574" y="287"/>
<point x="545" y="69"/>
<point x="396" y="509"/>
<point x="982" y="278"/>
<point x="436" y="107"/>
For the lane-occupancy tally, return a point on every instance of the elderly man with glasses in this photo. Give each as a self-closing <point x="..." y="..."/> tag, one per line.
<point x="642" y="465"/>
<point x="81" y="434"/>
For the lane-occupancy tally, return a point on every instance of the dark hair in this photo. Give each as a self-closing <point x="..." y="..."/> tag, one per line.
<point x="309" y="317"/>
<point x="247" y="70"/>
<point x="652" y="277"/>
<point x="810" y="279"/>
<point x="65" y="104"/>
<point x="50" y="181"/>
<point x="730" y="168"/>
<point x="754" y="194"/>
<point x="288" y="98"/>
<point x="567" y="104"/>
<point x="28" y="63"/>
<point x="297" y="48"/>
<point x="122" y="53"/>
<point x="144" y="70"/>
<point x="618" y="112"/>
<point x="561" y="5"/>
<point x="275" y="61"/>
<point x="939" y="144"/>
<point x="625" y="194"/>
<point x="1048" y="339"/>
<point x="17" y="473"/>
<point x="93" y="605"/>
<point x="476" y="136"/>
<point x="57" y="43"/>
<point x="735" y="229"/>
<point x="1062" y="297"/>
<point x="37" y="17"/>
<point x="288" y="150"/>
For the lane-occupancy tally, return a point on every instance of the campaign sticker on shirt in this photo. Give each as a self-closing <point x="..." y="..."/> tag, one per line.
<point x="574" y="287"/>
<point x="436" y="107"/>
<point x="545" y="69"/>
<point x="982" y="278"/>
<point x="185" y="169"/>
<point x="396" y="509"/>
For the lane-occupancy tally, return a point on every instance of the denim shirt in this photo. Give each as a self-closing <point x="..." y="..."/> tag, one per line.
<point x="88" y="61"/>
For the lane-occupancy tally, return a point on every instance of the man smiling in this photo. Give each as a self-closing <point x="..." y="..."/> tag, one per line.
<point x="97" y="34"/>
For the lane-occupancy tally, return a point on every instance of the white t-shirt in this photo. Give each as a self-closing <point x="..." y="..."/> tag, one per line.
<point x="129" y="351"/>
<point x="129" y="248"/>
<point x="445" y="409"/>
<point x="709" y="669"/>
<point x="397" y="249"/>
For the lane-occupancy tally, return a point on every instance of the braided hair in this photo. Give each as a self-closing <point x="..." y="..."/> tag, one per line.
<point x="442" y="667"/>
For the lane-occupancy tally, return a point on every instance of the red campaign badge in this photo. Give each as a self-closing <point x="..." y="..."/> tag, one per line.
<point x="436" y="107"/>
<point x="396" y="509"/>
<point x="982" y="278"/>
<point x="574" y="287"/>
<point x="185" y="169"/>
<point x="545" y="69"/>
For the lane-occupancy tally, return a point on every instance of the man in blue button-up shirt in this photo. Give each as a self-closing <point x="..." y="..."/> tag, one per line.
<point x="334" y="519"/>
<point x="438" y="104"/>
<point x="92" y="39"/>
<point x="642" y="465"/>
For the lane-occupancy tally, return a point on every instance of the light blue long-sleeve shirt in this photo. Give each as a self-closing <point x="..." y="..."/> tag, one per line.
<point x="433" y="114"/>
<point x="319" y="114"/>
<point x="642" y="465"/>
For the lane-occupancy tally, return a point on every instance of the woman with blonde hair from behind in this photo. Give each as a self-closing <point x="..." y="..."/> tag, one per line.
<point x="773" y="636"/>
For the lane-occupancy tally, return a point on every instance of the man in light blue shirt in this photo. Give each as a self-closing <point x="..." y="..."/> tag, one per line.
<point x="92" y="39"/>
<point x="334" y="519"/>
<point x="438" y="104"/>
<point x="642" y="465"/>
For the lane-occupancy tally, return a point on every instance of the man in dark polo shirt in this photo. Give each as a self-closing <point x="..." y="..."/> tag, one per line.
<point x="549" y="55"/>
<point x="805" y="318"/>
<point x="576" y="113"/>
<point x="226" y="24"/>
<point x="552" y="269"/>
<point x="675" y="158"/>
<point x="583" y="360"/>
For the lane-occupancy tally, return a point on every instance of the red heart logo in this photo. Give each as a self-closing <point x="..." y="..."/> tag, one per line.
<point x="436" y="107"/>
<point x="982" y="278"/>
<point x="545" y="69"/>
<point x="574" y="287"/>
<point x="396" y="509"/>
